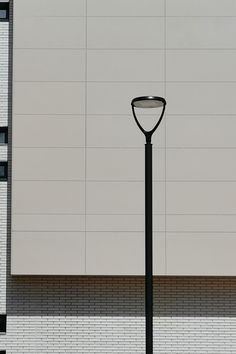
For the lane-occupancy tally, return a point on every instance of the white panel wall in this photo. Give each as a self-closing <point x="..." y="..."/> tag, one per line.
<point x="61" y="75"/>
<point x="77" y="66"/>
<point x="125" y="59"/>
<point x="200" y="173"/>
<point x="49" y="106"/>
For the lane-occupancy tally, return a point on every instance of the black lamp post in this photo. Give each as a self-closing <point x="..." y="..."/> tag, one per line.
<point x="148" y="102"/>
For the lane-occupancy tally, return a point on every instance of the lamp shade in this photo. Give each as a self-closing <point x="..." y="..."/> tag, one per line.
<point x="148" y="102"/>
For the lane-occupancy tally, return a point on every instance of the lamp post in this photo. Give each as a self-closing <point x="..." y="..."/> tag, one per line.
<point x="148" y="102"/>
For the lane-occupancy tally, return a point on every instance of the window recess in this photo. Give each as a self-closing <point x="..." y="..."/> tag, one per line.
<point x="3" y="135"/>
<point x="3" y="325"/>
<point x="4" y="11"/>
<point x="3" y="171"/>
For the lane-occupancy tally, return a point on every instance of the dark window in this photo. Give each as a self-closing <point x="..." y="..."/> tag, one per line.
<point x="4" y="11"/>
<point x="3" y="170"/>
<point x="3" y="135"/>
<point x="3" y="323"/>
<point x="2" y="351"/>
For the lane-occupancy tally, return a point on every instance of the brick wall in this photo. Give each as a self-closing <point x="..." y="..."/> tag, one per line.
<point x="4" y="31"/>
<point x="105" y="315"/>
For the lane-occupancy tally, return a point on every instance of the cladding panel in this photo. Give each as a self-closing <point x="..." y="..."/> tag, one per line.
<point x="77" y="65"/>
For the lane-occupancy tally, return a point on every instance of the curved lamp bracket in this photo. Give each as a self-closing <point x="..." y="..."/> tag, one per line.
<point x="148" y="102"/>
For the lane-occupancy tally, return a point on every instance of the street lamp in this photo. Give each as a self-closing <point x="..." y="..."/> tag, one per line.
<point x="148" y="102"/>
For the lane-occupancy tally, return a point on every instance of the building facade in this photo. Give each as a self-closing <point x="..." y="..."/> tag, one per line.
<point x="72" y="211"/>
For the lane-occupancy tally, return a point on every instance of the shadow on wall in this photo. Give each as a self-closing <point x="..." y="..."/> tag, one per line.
<point x="120" y="296"/>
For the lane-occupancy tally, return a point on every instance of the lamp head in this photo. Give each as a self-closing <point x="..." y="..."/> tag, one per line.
<point x="148" y="102"/>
